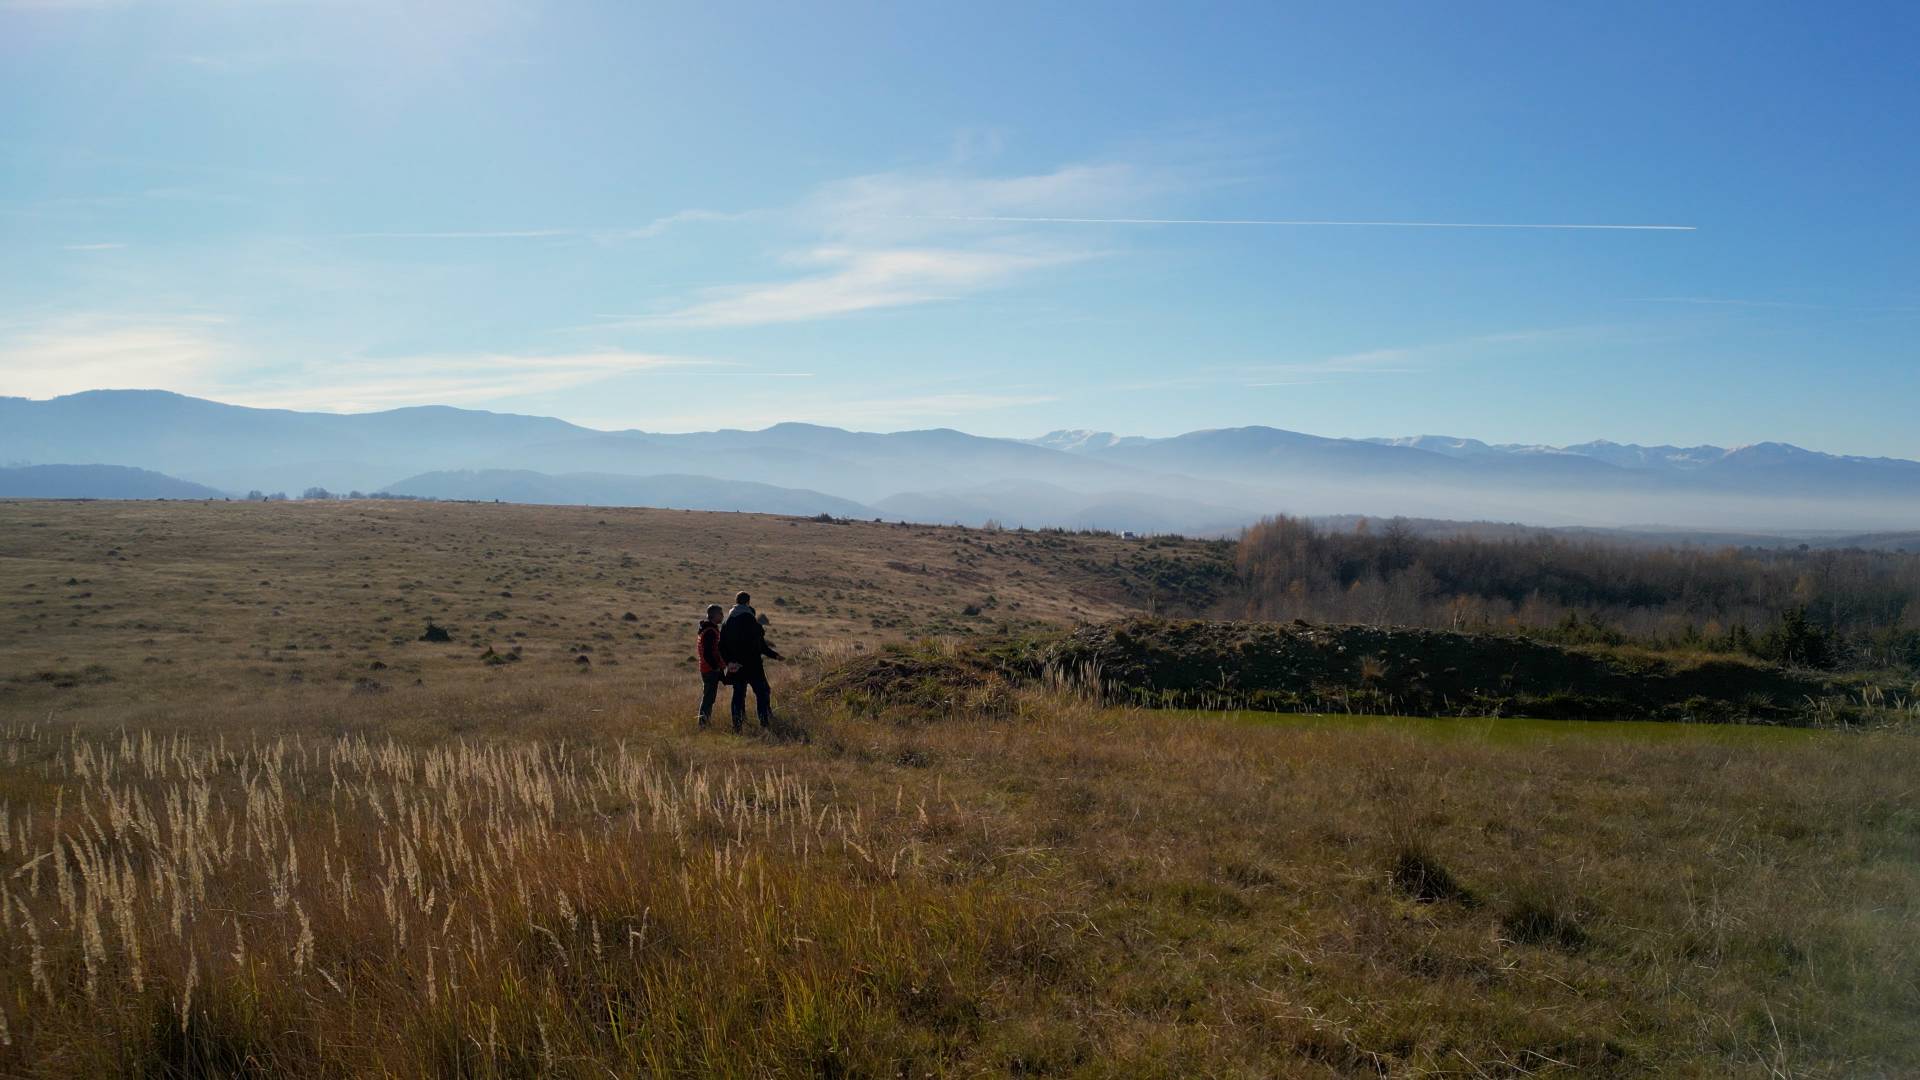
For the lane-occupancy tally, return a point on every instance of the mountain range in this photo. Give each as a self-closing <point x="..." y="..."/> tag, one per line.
<point x="1198" y="482"/>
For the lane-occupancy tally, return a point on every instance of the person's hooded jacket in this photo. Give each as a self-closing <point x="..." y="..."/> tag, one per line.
<point x="743" y="640"/>
<point x="708" y="646"/>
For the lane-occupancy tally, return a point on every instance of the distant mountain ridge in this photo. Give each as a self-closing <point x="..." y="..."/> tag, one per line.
<point x="1202" y="481"/>
<point x="97" y="482"/>
<point x="1083" y="440"/>
<point x="600" y="489"/>
<point x="1634" y="456"/>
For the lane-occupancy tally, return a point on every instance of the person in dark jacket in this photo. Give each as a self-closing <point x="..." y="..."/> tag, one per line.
<point x="743" y="641"/>
<point x="707" y="644"/>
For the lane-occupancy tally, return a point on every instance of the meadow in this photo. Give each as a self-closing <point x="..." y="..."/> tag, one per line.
<point x="251" y="825"/>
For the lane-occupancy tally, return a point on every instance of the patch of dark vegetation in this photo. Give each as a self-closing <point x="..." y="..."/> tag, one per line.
<point x="436" y="634"/>
<point x="91" y="675"/>
<point x="1420" y="876"/>
<point x="1299" y="667"/>
<point x="1534" y="920"/>
<point x="213" y="1039"/>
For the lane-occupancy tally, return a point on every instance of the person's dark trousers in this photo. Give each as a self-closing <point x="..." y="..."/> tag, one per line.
<point x="709" y="689"/>
<point x="755" y="677"/>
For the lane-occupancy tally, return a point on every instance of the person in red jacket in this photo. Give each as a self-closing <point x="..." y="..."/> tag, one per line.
<point x="712" y="667"/>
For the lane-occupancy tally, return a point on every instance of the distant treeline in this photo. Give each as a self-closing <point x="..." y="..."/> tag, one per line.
<point x="319" y="493"/>
<point x="1817" y="607"/>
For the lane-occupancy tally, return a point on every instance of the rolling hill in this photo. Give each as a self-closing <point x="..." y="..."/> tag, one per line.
<point x="97" y="482"/>
<point x="673" y="492"/>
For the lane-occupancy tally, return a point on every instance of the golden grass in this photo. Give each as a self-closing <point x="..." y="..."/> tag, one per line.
<point x="130" y="603"/>
<point x="525" y="870"/>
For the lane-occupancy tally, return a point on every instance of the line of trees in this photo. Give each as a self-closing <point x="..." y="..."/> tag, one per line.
<point x="1817" y="607"/>
<point x="320" y="493"/>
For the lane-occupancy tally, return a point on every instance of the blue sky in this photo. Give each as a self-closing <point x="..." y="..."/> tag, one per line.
<point x="702" y="215"/>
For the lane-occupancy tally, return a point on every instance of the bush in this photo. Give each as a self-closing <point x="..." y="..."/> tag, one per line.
<point x="1796" y="640"/>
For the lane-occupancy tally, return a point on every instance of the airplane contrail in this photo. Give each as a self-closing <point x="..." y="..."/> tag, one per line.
<point x="1267" y="221"/>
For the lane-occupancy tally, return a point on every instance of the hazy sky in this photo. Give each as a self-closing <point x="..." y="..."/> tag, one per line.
<point x="687" y="216"/>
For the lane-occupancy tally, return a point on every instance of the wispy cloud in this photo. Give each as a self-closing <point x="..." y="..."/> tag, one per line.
<point x="200" y="355"/>
<point x="600" y="234"/>
<point x="1364" y="363"/>
<point x="92" y="247"/>
<point x="889" y="240"/>
<point x="1407" y="359"/>
<point x="909" y="237"/>
<point x="452" y="379"/>
<point x="89" y="352"/>
<point x="662" y="224"/>
<point x="908" y="202"/>
<point x="853" y="280"/>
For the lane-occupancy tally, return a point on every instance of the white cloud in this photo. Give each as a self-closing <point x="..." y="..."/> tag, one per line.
<point x="360" y="385"/>
<point x="96" y="352"/>
<point x="1408" y="359"/>
<point x="662" y="224"/>
<point x="855" y="279"/>
<point x="93" y="247"/>
<point x="197" y="355"/>
<point x="887" y="240"/>
<point x="894" y="203"/>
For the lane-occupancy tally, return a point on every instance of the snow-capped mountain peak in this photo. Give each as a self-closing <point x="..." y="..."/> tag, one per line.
<point x="1082" y="440"/>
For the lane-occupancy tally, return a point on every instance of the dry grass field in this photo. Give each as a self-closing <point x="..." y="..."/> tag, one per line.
<point x="230" y="844"/>
<point x="145" y="601"/>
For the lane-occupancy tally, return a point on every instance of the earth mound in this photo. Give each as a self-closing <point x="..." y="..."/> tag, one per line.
<point x="1304" y="668"/>
<point x="920" y="681"/>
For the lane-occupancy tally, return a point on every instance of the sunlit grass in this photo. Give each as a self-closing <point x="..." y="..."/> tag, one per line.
<point x="1525" y="729"/>
<point x="528" y="870"/>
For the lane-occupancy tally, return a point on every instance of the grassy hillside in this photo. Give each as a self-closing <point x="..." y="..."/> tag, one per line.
<point x="450" y="867"/>
<point x="146" y="601"/>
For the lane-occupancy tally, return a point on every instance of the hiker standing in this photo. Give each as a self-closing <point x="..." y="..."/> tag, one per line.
<point x="712" y="665"/>
<point x="743" y="643"/>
